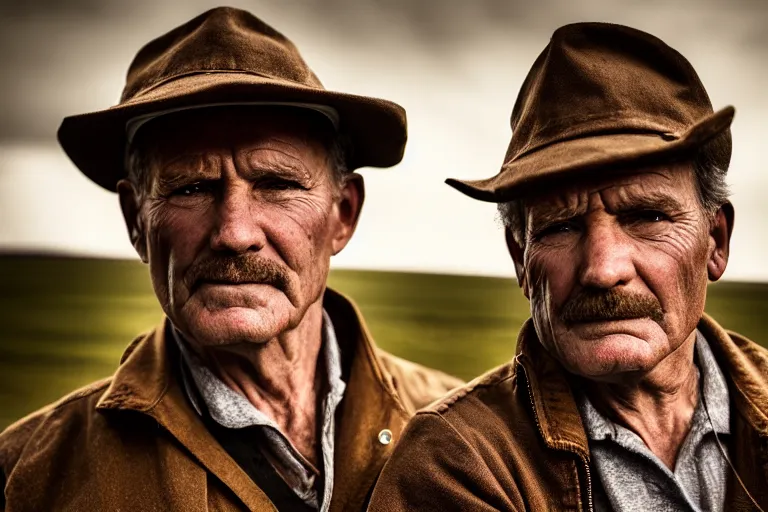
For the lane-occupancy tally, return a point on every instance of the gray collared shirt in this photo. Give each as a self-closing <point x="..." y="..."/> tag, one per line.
<point x="631" y="477"/>
<point x="232" y="410"/>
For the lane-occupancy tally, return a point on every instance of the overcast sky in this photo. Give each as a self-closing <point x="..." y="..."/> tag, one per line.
<point x="455" y="65"/>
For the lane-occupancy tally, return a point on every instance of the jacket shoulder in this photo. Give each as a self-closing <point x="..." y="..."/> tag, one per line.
<point x="482" y="388"/>
<point x="15" y="439"/>
<point x="491" y="398"/>
<point x="417" y="385"/>
<point x="736" y="351"/>
<point x="756" y="355"/>
<point x="751" y="347"/>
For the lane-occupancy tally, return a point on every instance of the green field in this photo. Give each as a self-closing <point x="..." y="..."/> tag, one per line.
<point x="66" y="321"/>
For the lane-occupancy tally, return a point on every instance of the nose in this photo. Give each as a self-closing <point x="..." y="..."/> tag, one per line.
<point x="606" y="256"/>
<point x="238" y="225"/>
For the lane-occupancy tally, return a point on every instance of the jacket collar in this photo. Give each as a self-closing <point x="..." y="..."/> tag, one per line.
<point x="744" y="363"/>
<point x="370" y="405"/>
<point x="549" y="389"/>
<point x="148" y="382"/>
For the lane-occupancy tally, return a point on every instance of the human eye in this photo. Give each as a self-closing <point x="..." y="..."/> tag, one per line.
<point x="645" y="217"/>
<point x="555" y="230"/>
<point x="277" y="184"/>
<point x="196" y="190"/>
<point x="190" y="190"/>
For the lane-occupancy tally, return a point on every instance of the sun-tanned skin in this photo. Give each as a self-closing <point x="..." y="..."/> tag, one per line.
<point x="256" y="189"/>
<point x="261" y="388"/>
<point x="623" y="393"/>
<point x="643" y="236"/>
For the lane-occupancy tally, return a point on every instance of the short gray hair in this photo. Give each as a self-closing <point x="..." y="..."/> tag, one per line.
<point x="710" y="165"/>
<point x="138" y="163"/>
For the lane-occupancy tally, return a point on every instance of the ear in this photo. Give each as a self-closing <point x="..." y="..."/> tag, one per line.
<point x="133" y="217"/>
<point x="517" y="253"/>
<point x="350" y="204"/>
<point x="720" y="234"/>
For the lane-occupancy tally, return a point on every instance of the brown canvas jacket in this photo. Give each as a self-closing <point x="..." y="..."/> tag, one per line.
<point x="513" y="439"/>
<point x="132" y="442"/>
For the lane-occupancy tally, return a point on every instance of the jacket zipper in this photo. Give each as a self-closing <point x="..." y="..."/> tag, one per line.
<point x="589" y="483"/>
<point x="541" y="433"/>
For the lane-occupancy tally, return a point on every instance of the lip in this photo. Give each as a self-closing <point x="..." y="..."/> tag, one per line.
<point x="632" y="326"/>
<point x="605" y="321"/>
<point x="204" y="282"/>
<point x="615" y="319"/>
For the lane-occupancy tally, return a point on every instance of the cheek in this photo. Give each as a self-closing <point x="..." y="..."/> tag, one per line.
<point x="550" y="275"/>
<point x="300" y="232"/>
<point x="676" y="267"/>
<point x="676" y="274"/>
<point x="175" y="238"/>
<point x="550" y="281"/>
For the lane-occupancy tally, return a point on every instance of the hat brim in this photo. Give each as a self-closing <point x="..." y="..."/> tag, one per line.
<point x="590" y="155"/>
<point x="96" y="141"/>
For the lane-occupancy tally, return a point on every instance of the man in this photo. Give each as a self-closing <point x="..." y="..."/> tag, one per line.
<point x="262" y="390"/>
<point x="623" y="395"/>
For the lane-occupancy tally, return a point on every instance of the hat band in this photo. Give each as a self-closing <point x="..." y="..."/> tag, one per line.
<point x="133" y="124"/>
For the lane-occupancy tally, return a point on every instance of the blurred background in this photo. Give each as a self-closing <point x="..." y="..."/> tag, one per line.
<point x="427" y="265"/>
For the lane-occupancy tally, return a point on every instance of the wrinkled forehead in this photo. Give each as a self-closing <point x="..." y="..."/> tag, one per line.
<point x="299" y="132"/>
<point x="665" y="184"/>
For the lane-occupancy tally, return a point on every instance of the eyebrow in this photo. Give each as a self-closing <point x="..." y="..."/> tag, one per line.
<point x="550" y="216"/>
<point x="286" y="165"/>
<point x="662" y="202"/>
<point x="175" y="174"/>
<point x="168" y="181"/>
<point x="280" y="169"/>
<point x="651" y="201"/>
<point x="184" y="165"/>
<point x="167" y="184"/>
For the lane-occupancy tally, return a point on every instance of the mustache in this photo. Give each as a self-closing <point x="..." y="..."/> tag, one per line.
<point x="246" y="268"/>
<point x="591" y="305"/>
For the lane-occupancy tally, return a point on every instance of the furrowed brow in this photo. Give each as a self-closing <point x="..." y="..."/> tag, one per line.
<point x="168" y="183"/>
<point x="661" y="202"/>
<point x="280" y="170"/>
<point x="552" y="215"/>
<point x="275" y="162"/>
<point x="184" y="170"/>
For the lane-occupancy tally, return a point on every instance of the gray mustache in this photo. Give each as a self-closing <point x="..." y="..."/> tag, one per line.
<point x="237" y="269"/>
<point x="591" y="305"/>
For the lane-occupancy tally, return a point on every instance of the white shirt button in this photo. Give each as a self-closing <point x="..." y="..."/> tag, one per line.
<point x="385" y="436"/>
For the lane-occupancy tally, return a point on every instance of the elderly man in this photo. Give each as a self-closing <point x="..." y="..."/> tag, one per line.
<point x="623" y="395"/>
<point x="262" y="390"/>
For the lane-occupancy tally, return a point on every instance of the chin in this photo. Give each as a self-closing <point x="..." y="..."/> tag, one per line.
<point x="611" y="356"/>
<point x="235" y="325"/>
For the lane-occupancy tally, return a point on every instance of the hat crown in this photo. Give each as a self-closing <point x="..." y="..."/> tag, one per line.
<point x="601" y="78"/>
<point x="223" y="39"/>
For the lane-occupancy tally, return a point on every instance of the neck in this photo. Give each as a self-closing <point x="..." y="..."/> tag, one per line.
<point x="282" y="378"/>
<point x="657" y="406"/>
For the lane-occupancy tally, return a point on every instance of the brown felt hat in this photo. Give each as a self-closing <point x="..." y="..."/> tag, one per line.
<point x="599" y="98"/>
<point x="226" y="56"/>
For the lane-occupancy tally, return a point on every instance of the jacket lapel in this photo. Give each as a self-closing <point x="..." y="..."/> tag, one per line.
<point x="147" y="382"/>
<point x="550" y="394"/>
<point x="370" y="405"/>
<point x="745" y="365"/>
<point x="743" y="362"/>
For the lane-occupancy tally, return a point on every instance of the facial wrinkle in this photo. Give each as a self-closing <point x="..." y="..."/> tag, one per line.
<point x="267" y="159"/>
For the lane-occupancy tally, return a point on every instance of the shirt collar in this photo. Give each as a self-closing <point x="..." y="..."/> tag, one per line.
<point x="714" y="387"/>
<point x="231" y="409"/>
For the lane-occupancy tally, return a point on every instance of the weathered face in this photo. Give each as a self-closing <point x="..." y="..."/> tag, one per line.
<point x="616" y="270"/>
<point x="239" y="222"/>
